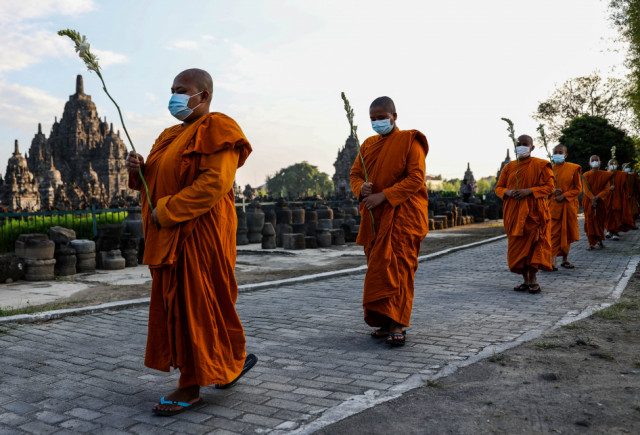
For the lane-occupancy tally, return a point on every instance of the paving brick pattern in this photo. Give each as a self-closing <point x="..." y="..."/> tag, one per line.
<point x="85" y="373"/>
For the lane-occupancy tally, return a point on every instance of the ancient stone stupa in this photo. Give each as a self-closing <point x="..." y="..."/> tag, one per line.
<point x="346" y="156"/>
<point x="80" y="164"/>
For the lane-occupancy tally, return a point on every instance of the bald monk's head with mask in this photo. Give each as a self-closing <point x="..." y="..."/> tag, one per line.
<point x="191" y="95"/>
<point x="524" y="147"/>
<point x="383" y="115"/>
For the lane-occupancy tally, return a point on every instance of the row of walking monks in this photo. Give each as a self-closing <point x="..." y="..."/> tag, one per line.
<point x="541" y="205"/>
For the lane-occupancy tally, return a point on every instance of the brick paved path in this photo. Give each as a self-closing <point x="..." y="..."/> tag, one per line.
<point x="317" y="361"/>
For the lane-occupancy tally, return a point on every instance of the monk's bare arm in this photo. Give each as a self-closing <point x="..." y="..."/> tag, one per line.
<point x="404" y="189"/>
<point x="213" y="183"/>
<point x="604" y="195"/>
<point x="133" y="162"/>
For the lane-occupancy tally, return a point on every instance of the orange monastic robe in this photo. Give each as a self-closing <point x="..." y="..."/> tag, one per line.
<point x="564" y="214"/>
<point x="618" y="214"/>
<point x="632" y="191"/>
<point x="526" y="221"/>
<point x="193" y="324"/>
<point x="595" y="183"/>
<point x="396" y="166"/>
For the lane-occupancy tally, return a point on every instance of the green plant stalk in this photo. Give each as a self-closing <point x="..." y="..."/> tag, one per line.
<point x="82" y="47"/>
<point x="543" y="136"/>
<point x="512" y="135"/>
<point x="354" y="128"/>
<point x="144" y="182"/>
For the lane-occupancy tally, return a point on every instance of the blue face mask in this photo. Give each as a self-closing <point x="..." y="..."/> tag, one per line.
<point x="383" y="126"/>
<point x="558" y="158"/>
<point x="178" y="105"/>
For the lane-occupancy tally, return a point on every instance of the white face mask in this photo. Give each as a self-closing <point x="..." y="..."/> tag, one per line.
<point x="595" y="164"/>
<point x="523" y="151"/>
<point x="612" y="167"/>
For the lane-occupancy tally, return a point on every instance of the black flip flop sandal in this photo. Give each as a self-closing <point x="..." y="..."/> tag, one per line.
<point x="533" y="290"/>
<point x="396" y="339"/>
<point x="249" y="362"/>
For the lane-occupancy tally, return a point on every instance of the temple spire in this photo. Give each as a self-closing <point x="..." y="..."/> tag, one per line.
<point x="79" y="85"/>
<point x="508" y="154"/>
<point x="39" y="128"/>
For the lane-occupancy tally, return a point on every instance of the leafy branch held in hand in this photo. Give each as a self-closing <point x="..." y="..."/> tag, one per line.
<point x="512" y="135"/>
<point x="91" y="61"/>
<point x="543" y="136"/>
<point x="354" y="128"/>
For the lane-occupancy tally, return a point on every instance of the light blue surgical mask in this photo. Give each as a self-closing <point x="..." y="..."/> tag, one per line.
<point x="383" y="126"/>
<point x="627" y="170"/>
<point x="558" y="158"/>
<point x="178" y="105"/>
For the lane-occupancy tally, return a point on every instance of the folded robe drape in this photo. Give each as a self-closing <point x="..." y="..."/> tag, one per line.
<point x="193" y="324"/>
<point x="396" y="166"/>
<point x="596" y="183"/>
<point x="619" y="217"/>
<point x="526" y="220"/>
<point x="564" y="214"/>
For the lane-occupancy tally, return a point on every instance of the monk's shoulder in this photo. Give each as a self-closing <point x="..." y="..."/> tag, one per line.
<point x="573" y="167"/>
<point x="541" y="163"/>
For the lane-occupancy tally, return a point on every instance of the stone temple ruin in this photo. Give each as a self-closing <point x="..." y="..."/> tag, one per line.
<point x="80" y="164"/>
<point x="341" y="179"/>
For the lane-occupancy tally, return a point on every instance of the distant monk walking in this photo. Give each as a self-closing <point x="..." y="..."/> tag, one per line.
<point x="397" y="195"/>
<point x="524" y="185"/>
<point x="619" y="218"/>
<point x="633" y="187"/>
<point x="596" y="191"/>
<point x="564" y="207"/>
<point x="191" y="245"/>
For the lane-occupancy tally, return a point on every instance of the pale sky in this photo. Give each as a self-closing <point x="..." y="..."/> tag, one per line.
<point x="453" y="68"/>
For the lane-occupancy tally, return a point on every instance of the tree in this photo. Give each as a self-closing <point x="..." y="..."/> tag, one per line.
<point x="485" y="185"/>
<point x="589" y="135"/>
<point x="592" y="96"/>
<point x="626" y="15"/>
<point x="249" y="193"/>
<point x="299" y="180"/>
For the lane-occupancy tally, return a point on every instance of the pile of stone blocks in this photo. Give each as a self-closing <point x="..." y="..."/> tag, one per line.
<point x="85" y="255"/>
<point x="108" y="254"/>
<point x="37" y="253"/>
<point x="65" y="254"/>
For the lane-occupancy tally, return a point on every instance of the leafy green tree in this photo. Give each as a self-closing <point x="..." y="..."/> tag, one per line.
<point x="626" y="16"/>
<point x="452" y="185"/>
<point x="299" y="180"/>
<point x="485" y="185"/>
<point x="589" y="135"/>
<point x="591" y="95"/>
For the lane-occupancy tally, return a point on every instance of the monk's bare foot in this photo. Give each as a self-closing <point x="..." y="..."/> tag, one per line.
<point x="187" y="395"/>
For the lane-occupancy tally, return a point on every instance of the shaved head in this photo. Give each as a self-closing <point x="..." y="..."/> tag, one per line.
<point x="594" y="157"/>
<point x="200" y="78"/>
<point x="525" y="139"/>
<point x="560" y="148"/>
<point x="385" y="103"/>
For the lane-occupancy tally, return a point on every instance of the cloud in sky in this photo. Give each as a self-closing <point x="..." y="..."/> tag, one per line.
<point x="17" y="11"/>
<point x="23" y="107"/>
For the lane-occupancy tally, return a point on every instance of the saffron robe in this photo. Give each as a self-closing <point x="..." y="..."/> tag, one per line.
<point x="395" y="165"/>
<point x="564" y="214"/>
<point x="193" y="324"/>
<point x="618" y="213"/>
<point x="596" y="183"/>
<point x="633" y="186"/>
<point x="526" y="221"/>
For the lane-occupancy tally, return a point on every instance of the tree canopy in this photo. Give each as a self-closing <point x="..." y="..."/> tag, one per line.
<point x="626" y="15"/>
<point x="590" y="95"/>
<point x="299" y="180"/>
<point x="589" y="135"/>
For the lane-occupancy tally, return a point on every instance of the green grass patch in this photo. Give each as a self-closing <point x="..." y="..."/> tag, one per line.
<point x="30" y="309"/>
<point x="546" y="345"/>
<point x="573" y="326"/>
<point x="433" y="384"/>
<point x="619" y="310"/>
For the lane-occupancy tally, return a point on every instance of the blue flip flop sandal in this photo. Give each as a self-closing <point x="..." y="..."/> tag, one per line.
<point x="185" y="406"/>
<point x="249" y="362"/>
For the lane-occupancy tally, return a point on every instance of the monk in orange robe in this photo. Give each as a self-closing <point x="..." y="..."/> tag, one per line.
<point x="618" y="213"/>
<point x="596" y="185"/>
<point x="397" y="197"/>
<point x="524" y="185"/>
<point x="190" y="245"/>
<point x="564" y="207"/>
<point x="633" y="187"/>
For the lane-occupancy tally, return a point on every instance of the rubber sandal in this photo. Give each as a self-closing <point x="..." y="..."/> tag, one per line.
<point x="396" y="339"/>
<point x="567" y="265"/>
<point x="185" y="406"/>
<point x="554" y="269"/>
<point x="380" y="333"/>
<point x="521" y="288"/>
<point x="533" y="290"/>
<point x="249" y="362"/>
